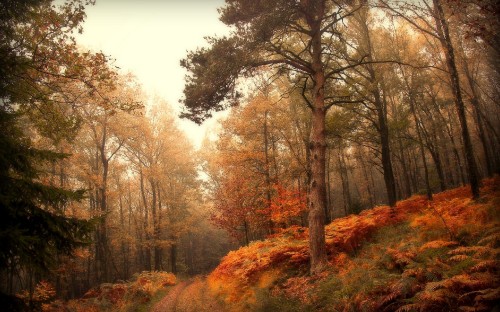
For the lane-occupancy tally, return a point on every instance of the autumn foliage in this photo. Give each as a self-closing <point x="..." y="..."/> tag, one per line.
<point x="123" y="296"/>
<point x="287" y="206"/>
<point x="419" y="256"/>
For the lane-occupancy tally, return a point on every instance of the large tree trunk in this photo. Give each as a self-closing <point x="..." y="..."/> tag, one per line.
<point x="317" y="146"/>
<point x="317" y="196"/>
<point x="444" y="34"/>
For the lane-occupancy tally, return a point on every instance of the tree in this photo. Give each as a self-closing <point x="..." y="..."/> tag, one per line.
<point x="34" y="228"/>
<point x="416" y="15"/>
<point x="38" y="59"/>
<point x="375" y="81"/>
<point x="298" y="38"/>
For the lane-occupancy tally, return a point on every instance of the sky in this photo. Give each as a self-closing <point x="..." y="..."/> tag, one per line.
<point x="148" y="38"/>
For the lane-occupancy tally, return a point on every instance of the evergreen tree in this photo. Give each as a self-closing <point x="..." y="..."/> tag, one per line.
<point x="33" y="227"/>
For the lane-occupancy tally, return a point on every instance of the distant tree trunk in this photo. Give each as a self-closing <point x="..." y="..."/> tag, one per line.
<point x="421" y="146"/>
<point x="383" y="129"/>
<point x="431" y="140"/>
<point x="139" y="231"/>
<point x="458" y="162"/>
<point x="445" y="39"/>
<point x="346" y="192"/>
<point x="418" y="125"/>
<point x="246" y="229"/>
<point x="405" y="170"/>
<point x="147" y="249"/>
<point x="122" y="229"/>
<point x="382" y="126"/>
<point x="156" y="228"/>
<point x="479" y="121"/>
<point x="267" y="171"/>
<point x="129" y="226"/>
<point x="158" y="249"/>
<point x="414" y="170"/>
<point x="274" y="159"/>
<point x="103" y="236"/>
<point x="368" y="179"/>
<point x="173" y="257"/>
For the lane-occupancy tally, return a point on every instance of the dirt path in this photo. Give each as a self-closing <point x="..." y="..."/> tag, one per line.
<point x="190" y="296"/>
<point x="171" y="300"/>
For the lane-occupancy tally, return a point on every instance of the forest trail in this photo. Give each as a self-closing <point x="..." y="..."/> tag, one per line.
<point x="171" y="300"/>
<point x="189" y="296"/>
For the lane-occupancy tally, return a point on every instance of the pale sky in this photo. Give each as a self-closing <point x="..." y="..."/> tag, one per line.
<point x="149" y="38"/>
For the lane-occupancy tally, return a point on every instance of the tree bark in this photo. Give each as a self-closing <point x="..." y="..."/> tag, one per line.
<point x="317" y="141"/>
<point x="317" y="197"/>
<point x="317" y="144"/>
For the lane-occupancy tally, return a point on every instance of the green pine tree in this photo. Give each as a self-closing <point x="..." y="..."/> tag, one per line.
<point x="33" y="228"/>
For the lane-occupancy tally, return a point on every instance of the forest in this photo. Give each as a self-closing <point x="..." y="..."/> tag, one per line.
<point x="354" y="167"/>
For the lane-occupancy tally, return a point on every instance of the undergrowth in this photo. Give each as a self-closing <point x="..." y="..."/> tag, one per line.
<point x="420" y="256"/>
<point x="423" y="256"/>
<point x="139" y="294"/>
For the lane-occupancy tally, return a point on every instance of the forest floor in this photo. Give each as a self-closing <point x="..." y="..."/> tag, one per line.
<point x="440" y="255"/>
<point x="189" y="295"/>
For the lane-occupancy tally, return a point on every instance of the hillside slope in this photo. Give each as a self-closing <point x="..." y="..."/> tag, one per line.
<point x="421" y="256"/>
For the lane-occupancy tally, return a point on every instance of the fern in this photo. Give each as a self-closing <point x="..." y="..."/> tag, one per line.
<point x="492" y="239"/>
<point x="486" y="265"/>
<point x="410" y="307"/>
<point x="436" y="244"/>
<point x="460" y="258"/>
